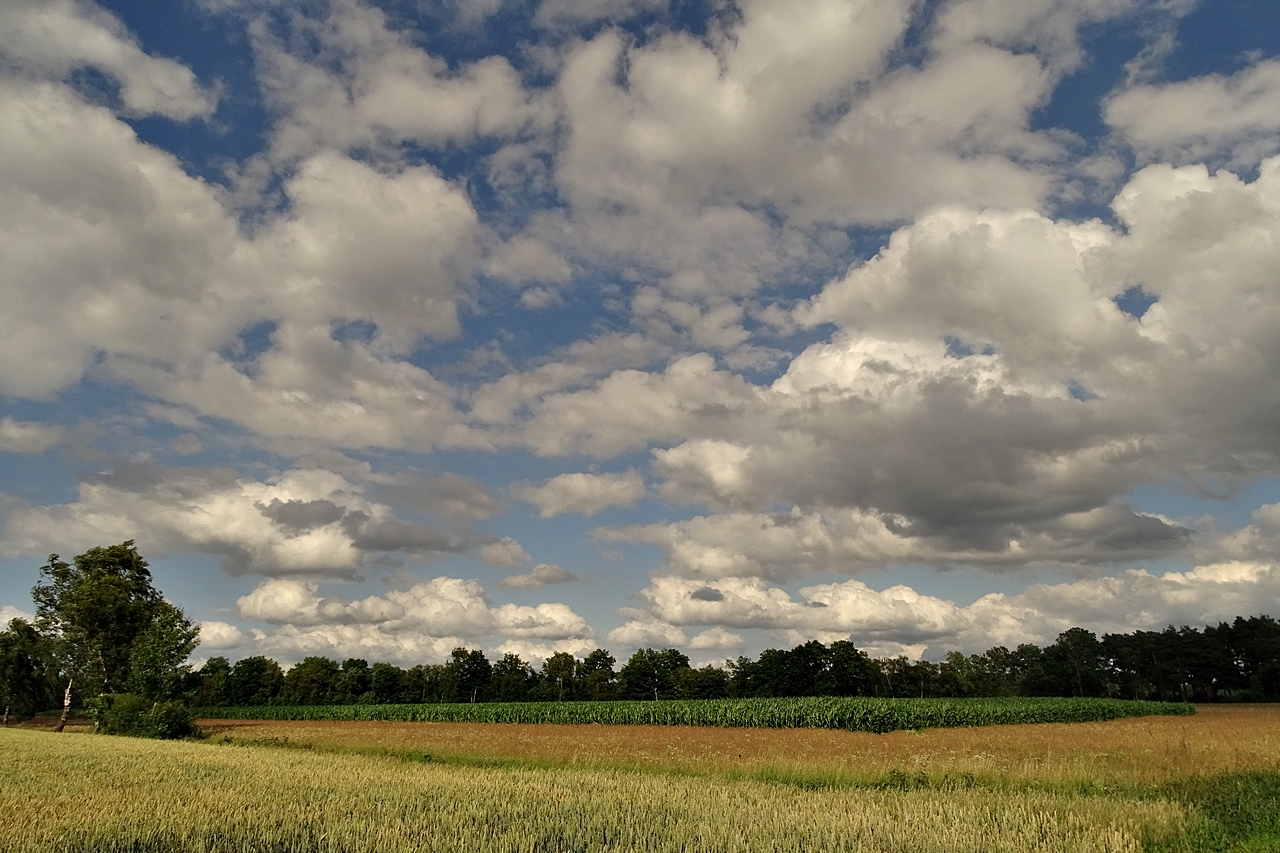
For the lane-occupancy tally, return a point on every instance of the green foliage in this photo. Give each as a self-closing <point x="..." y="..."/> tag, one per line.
<point x="598" y="679"/>
<point x="212" y="683"/>
<point x="314" y="681"/>
<point x="560" y="678"/>
<point x="651" y="674"/>
<point x="129" y="714"/>
<point x="110" y="629"/>
<point x="387" y="683"/>
<point x="705" y="683"/>
<point x="470" y="673"/>
<point x="811" y="669"/>
<point x="254" y="680"/>
<point x="1255" y="643"/>
<point x="513" y="679"/>
<point x="26" y="671"/>
<point x="158" y="666"/>
<point x="1076" y="656"/>
<point x="95" y="609"/>
<point x="852" y="713"/>
<point x="353" y="681"/>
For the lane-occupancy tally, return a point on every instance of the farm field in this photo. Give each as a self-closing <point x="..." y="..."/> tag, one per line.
<point x="1208" y="782"/>
<point x="857" y="713"/>
<point x="1218" y="739"/>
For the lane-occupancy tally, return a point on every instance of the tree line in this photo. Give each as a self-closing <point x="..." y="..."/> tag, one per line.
<point x="104" y="637"/>
<point x="1239" y="661"/>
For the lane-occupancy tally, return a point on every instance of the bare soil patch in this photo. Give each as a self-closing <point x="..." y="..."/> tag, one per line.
<point x="45" y="723"/>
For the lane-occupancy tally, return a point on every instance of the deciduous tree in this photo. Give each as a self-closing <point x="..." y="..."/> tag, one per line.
<point x="26" y="671"/>
<point x="110" y="629"/>
<point x="650" y="674"/>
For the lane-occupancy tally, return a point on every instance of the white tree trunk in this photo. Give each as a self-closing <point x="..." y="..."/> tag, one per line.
<point x="66" y="707"/>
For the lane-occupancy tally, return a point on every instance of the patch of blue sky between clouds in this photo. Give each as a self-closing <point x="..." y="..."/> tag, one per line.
<point x="1135" y="301"/>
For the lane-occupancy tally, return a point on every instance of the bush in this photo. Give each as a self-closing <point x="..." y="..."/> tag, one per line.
<point x="127" y="714"/>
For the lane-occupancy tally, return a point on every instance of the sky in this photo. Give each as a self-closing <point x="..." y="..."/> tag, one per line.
<point x="389" y="326"/>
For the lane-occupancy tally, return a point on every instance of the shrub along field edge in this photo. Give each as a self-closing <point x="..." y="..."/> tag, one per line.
<point x="850" y="713"/>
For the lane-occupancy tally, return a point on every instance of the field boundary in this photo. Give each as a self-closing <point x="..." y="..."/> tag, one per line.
<point x="769" y="773"/>
<point x="849" y="713"/>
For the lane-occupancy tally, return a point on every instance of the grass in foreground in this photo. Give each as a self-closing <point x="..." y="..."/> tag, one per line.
<point x="1158" y="784"/>
<point x="86" y="793"/>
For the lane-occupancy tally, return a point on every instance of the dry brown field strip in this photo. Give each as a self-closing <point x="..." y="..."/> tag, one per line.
<point x="1219" y="739"/>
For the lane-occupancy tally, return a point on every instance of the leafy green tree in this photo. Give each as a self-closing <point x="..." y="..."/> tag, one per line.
<point x="1256" y="644"/>
<point x="706" y="683"/>
<point x="742" y="677"/>
<point x="848" y="672"/>
<point x="1210" y="664"/>
<point x="993" y="673"/>
<point x="956" y="676"/>
<point x="558" y="681"/>
<point x="212" y="683"/>
<point x="769" y="674"/>
<point x="804" y="670"/>
<point x="111" y="630"/>
<point x="430" y="683"/>
<point x="598" y="678"/>
<point x="314" y="681"/>
<point x="650" y="674"/>
<point x="1231" y="681"/>
<point x="158" y="668"/>
<point x="254" y="680"/>
<point x="388" y="683"/>
<point x="1076" y="656"/>
<point x="353" y="681"/>
<point x="810" y="669"/>
<point x="1031" y="671"/>
<point x="27" y="672"/>
<point x="472" y="673"/>
<point x="513" y="679"/>
<point x="904" y="678"/>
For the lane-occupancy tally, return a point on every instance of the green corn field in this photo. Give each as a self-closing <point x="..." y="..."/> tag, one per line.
<point x="853" y="714"/>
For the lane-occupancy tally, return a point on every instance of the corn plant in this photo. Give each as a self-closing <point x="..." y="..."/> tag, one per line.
<point x="853" y="714"/>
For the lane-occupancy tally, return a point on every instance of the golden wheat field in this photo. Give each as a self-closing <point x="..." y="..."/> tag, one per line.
<point x="1219" y="739"/>
<point x="390" y="787"/>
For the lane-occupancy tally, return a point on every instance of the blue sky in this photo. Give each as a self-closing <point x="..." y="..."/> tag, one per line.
<point x="546" y="325"/>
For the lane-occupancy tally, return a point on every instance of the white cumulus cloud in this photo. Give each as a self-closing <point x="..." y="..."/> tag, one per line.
<point x="215" y="635"/>
<point x="427" y="620"/>
<point x="53" y="38"/>
<point x="898" y="619"/>
<point x="584" y="493"/>
<point x="1232" y="119"/>
<point x="8" y="613"/>
<point x="640" y="633"/>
